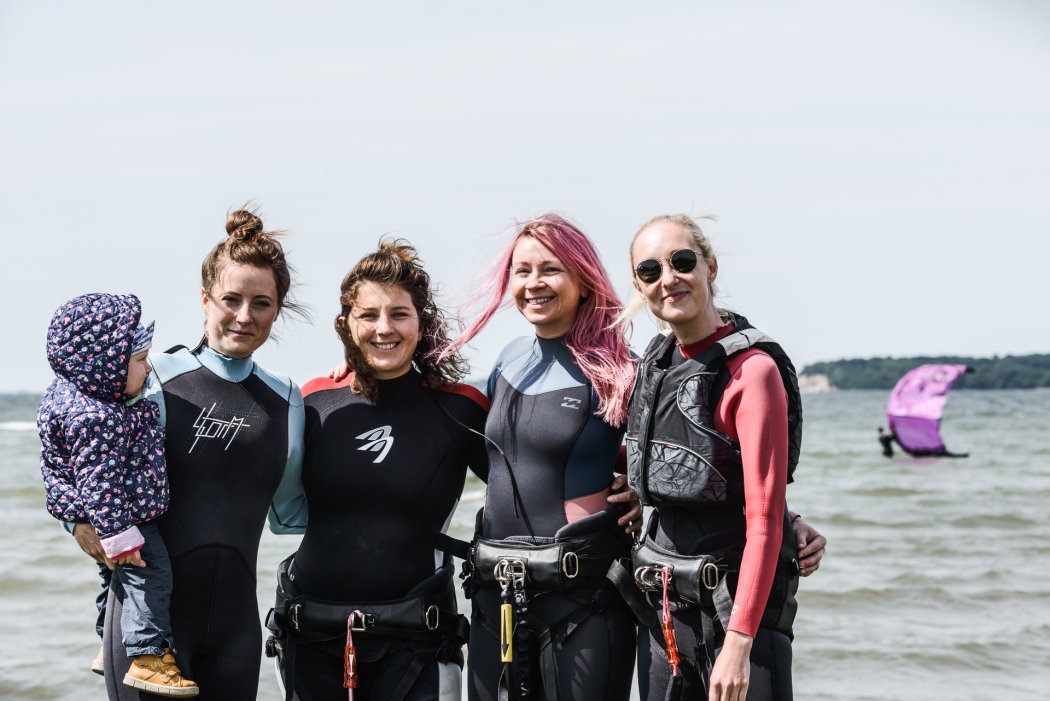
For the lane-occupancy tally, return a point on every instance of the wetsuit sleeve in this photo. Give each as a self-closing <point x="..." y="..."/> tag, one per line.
<point x="753" y="411"/>
<point x="476" y="447"/>
<point x="288" y="511"/>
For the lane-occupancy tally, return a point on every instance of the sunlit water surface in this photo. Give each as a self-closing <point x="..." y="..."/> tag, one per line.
<point x="936" y="584"/>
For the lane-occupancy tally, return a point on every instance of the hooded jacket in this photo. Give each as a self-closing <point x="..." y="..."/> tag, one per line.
<point x="102" y="460"/>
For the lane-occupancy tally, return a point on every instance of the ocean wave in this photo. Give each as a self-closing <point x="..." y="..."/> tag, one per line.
<point x="17" y="425"/>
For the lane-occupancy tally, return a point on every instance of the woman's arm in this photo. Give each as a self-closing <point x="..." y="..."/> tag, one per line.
<point x="289" y="512"/>
<point x="753" y="410"/>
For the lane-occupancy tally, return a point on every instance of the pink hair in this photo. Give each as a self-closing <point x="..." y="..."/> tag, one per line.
<point x="597" y="344"/>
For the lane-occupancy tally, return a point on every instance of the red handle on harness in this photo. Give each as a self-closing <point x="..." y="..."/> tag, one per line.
<point x="667" y="623"/>
<point x="350" y="656"/>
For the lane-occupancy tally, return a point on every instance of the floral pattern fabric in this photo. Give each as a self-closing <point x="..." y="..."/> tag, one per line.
<point x="102" y="461"/>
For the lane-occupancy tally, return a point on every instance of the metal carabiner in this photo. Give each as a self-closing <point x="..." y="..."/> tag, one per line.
<point x="650" y="578"/>
<point x="509" y="573"/>
<point x="295" y="616"/>
<point x="358" y="627"/>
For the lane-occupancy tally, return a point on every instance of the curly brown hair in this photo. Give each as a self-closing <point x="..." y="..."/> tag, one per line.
<point x="396" y="263"/>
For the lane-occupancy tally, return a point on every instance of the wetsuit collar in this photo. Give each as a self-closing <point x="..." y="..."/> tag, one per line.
<point x="230" y="369"/>
<point x="550" y="350"/>
<point x="397" y="389"/>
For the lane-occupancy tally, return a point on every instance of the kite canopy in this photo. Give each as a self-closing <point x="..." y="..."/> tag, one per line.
<point x="916" y="405"/>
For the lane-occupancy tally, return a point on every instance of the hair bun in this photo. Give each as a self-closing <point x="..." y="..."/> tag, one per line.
<point x="243" y="225"/>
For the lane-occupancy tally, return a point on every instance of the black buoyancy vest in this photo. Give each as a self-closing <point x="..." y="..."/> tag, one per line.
<point x="677" y="460"/>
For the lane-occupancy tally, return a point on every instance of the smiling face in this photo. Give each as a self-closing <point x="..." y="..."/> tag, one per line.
<point x="240" y="309"/>
<point x="384" y="324"/>
<point x="544" y="290"/>
<point x="138" y="368"/>
<point x="683" y="300"/>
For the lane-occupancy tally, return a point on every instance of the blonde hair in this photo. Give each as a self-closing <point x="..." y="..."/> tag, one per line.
<point x="703" y="247"/>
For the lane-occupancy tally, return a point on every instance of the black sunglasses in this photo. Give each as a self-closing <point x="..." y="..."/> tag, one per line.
<point x="683" y="260"/>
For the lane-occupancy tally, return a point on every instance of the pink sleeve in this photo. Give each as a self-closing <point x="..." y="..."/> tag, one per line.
<point x="753" y="411"/>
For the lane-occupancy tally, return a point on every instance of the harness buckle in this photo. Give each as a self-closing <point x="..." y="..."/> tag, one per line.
<point x="651" y="578"/>
<point x="358" y="623"/>
<point x="437" y="617"/>
<point x="510" y="573"/>
<point x="295" y="616"/>
<point x="575" y="560"/>
<point x="709" y="576"/>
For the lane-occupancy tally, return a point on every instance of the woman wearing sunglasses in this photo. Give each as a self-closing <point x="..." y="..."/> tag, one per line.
<point x="547" y="621"/>
<point x="713" y="437"/>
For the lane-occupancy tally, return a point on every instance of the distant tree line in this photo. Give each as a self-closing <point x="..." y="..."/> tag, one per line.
<point x="1009" y="372"/>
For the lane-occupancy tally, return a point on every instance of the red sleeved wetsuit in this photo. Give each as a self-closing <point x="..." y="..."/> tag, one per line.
<point x="753" y="412"/>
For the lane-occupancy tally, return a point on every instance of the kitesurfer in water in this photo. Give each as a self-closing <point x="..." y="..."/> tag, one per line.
<point x="387" y="450"/>
<point x="713" y="435"/>
<point x="232" y="429"/>
<point x="886" y="441"/>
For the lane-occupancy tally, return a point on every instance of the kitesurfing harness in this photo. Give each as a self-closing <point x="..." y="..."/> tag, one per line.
<point x="426" y="615"/>
<point x="677" y="461"/>
<point x="587" y="566"/>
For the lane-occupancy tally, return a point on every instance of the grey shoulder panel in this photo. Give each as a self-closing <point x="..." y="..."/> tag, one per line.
<point x="742" y="340"/>
<point x="168" y="366"/>
<point x="281" y="384"/>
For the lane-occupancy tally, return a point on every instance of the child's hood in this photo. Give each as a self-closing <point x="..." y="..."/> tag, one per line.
<point x="89" y="342"/>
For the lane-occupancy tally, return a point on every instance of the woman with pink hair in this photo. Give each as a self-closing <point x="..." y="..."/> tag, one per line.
<point x="547" y="620"/>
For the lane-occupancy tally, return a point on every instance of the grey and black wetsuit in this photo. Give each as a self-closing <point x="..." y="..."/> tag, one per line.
<point x="379" y="482"/>
<point x="233" y="429"/>
<point x="551" y="455"/>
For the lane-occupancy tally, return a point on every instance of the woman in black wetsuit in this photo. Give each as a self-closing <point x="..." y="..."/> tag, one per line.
<point x="232" y="429"/>
<point x="387" y="450"/>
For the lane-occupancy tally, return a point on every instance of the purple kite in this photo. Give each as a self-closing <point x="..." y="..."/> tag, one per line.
<point x="915" y="409"/>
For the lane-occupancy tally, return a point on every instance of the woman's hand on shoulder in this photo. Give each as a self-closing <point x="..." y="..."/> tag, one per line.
<point x="624" y="494"/>
<point x="339" y="372"/>
<point x="731" y="674"/>
<point x="811" y="546"/>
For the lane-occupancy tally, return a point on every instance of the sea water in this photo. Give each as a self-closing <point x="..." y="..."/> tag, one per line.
<point x="936" y="582"/>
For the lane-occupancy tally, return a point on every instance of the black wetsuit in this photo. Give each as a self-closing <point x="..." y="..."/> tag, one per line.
<point x="380" y="481"/>
<point x="562" y="457"/>
<point x="232" y="429"/>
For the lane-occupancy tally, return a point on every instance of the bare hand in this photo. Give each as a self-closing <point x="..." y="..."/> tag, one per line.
<point x="339" y="372"/>
<point x="132" y="559"/>
<point x="732" y="671"/>
<point x="811" y="546"/>
<point x="91" y="544"/>
<point x="624" y="494"/>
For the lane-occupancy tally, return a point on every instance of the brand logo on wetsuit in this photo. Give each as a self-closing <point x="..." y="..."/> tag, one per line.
<point x="379" y="439"/>
<point x="210" y="427"/>
<point x="571" y="403"/>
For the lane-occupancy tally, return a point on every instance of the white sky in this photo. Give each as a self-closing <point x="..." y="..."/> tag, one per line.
<point x="881" y="171"/>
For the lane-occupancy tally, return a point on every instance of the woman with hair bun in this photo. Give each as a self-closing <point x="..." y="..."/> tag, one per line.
<point x="233" y="429"/>
<point x="367" y="603"/>
<point x="713" y="436"/>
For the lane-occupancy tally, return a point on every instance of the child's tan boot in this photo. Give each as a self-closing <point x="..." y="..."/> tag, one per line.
<point x="159" y="675"/>
<point x="96" y="664"/>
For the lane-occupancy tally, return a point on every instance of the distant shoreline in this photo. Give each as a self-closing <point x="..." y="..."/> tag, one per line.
<point x="1008" y="372"/>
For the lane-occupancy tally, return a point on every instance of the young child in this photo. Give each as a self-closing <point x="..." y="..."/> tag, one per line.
<point x="102" y="459"/>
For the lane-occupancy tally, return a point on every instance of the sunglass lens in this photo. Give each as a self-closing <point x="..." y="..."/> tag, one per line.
<point x="684" y="260"/>
<point x="648" y="271"/>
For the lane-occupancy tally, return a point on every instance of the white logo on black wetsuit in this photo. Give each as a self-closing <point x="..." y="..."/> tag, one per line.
<point x="379" y="440"/>
<point x="207" y="426"/>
